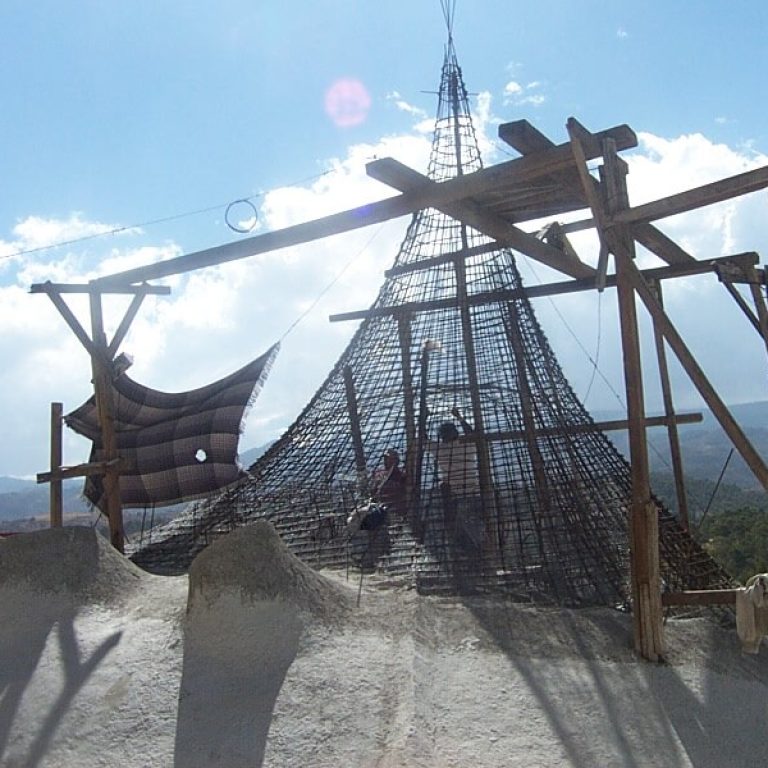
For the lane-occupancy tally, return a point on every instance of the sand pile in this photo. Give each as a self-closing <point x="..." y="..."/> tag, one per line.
<point x="266" y="663"/>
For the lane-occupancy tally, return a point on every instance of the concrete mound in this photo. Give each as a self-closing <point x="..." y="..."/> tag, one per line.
<point x="255" y="562"/>
<point x="73" y="561"/>
<point x="248" y="605"/>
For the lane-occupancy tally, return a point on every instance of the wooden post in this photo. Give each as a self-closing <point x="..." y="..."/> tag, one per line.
<point x="643" y="519"/>
<point x="102" y="387"/>
<point x="411" y="449"/>
<point x="357" y="436"/>
<point x="57" y="517"/>
<point x="669" y="412"/>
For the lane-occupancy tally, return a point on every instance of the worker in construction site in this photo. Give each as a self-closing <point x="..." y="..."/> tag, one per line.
<point x="456" y="458"/>
<point x="388" y="485"/>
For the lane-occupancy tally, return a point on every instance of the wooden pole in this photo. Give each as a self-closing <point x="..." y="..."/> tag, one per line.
<point x="643" y="520"/>
<point x="357" y="435"/>
<point x="669" y="412"/>
<point x="411" y="448"/>
<point x="57" y="517"/>
<point x="102" y="387"/>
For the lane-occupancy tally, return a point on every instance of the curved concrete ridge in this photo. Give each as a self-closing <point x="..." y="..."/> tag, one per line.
<point x="248" y="604"/>
<point x="254" y="562"/>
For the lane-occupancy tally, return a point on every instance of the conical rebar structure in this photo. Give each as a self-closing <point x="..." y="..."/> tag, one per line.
<point x="531" y="500"/>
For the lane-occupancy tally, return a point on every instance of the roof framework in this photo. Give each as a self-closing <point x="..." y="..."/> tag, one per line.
<point x="557" y="513"/>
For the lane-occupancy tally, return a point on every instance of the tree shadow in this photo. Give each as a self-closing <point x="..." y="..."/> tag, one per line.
<point x="719" y="718"/>
<point x="23" y="641"/>
<point x="603" y="704"/>
<point x="236" y="656"/>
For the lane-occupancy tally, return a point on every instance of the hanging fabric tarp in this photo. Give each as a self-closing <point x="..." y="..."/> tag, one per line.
<point x="178" y="446"/>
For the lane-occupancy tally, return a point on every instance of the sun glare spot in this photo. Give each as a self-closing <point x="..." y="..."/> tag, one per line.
<point x="347" y="102"/>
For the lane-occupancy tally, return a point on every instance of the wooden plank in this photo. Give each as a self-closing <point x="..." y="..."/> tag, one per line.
<point x="548" y="289"/>
<point x="75" y="327"/>
<point x="404" y="178"/>
<point x="523" y="137"/>
<point x="610" y="425"/>
<point x="443" y="258"/>
<point x="755" y="287"/>
<point x="592" y="193"/>
<point x="659" y="244"/>
<point x="102" y="387"/>
<point x="147" y="290"/>
<point x="125" y="324"/>
<point x="697" y="376"/>
<point x="81" y="470"/>
<point x="669" y="410"/>
<point x="55" y="491"/>
<point x="526" y="139"/>
<point x="700" y="597"/>
<point x="486" y="180"/>
<point x="708" y="194"/>
<point x="357" y="435"/>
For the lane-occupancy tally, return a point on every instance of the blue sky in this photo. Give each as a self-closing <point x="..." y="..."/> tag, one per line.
<point x="116" y="114"/>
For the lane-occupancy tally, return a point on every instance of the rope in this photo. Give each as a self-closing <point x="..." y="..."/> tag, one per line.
<point x="173" y="217"/>
<point x="330" y="285"/>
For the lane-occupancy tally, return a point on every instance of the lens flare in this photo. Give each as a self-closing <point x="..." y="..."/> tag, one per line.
<point x="347" y="102"/>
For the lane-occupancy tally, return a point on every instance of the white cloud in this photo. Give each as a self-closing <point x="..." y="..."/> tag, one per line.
<point x="401" y="104"/>
<point x="517" y="94"/>
<point x="217" y="319"/>
<point x="622" y="33"/>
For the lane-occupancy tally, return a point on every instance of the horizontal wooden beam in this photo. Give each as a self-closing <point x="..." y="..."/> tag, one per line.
<point x="82" y="470"/>
<point x="443" y="258"/>
<point x="612" y="425"/>
<point x="406" y="179"/>
<point x="708" y="194"/>
<point x="700" y="597"/>
<point x="131" y="290"/>
<point x="485" y="180"/>
<point x="527" y="139"/>
<point x="687" y="269"/>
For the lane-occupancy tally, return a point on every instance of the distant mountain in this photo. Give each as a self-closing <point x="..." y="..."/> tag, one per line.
<point x="704" y="446"/>
<point x="23" y="499"/>
<point x="249" y="457"/>
<point x="32" y="500"/>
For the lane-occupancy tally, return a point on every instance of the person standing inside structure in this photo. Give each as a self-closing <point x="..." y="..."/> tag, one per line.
<point x="456" y="458"/>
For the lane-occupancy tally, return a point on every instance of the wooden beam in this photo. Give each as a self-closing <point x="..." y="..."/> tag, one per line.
<point x="443" y="258"/>
<point x="81" y="470"/>
<point x="102" y="388"/>
<point x="523" y="137"/>
<point x="74" y="325"/>
<point x="526" y="139"/>
<point x="357" y="435"/>
<point x="610" y="425"/>
<point x="512" y="172"/>
<point x="669" y="410"/>
<point x="55" y="490"/>
<point x="47" y="287"/>
<point x="125" y="324"/>
<point x="400" y="176"/>
<point x="659" y="244"/>
<point x="700" y="597"/>
<point x="707" y="391"/>
<point x="548" y="289"/>
<point x="592" y="193"/>
<point x="708" y="194"/>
